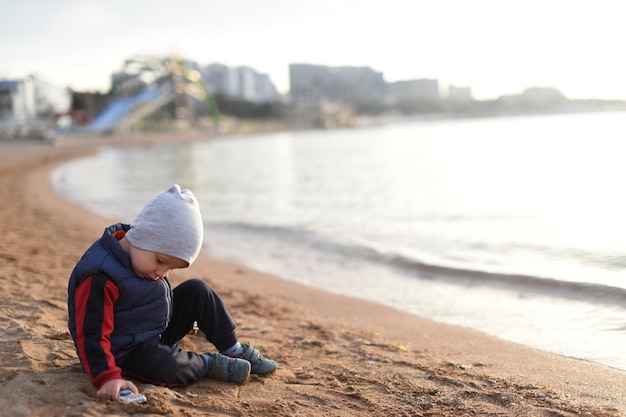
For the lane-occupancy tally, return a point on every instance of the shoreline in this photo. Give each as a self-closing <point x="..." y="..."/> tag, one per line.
<point x="338" y="356"/>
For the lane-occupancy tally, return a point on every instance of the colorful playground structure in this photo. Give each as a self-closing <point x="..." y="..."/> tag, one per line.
<point x="146" y="85"/>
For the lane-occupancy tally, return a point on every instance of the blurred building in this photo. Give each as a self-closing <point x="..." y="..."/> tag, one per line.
<point x="423" y="89"/>
<point x="414" y="96"/>
<point x="459" y="94"/>
<point x="310" y="85"/>
<point x="413" y="90"/>
<point x="31" y="107"/>
<point x="313" y="85"/>
<point x="86" y="105"/>
<point x="543" y="96"/>
<point x="239" y="83"/>
<point x="534" y="99"/>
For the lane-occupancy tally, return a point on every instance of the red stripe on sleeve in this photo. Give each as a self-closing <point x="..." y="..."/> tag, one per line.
<point x="96" y="303"/>
<point x="81" y="296"/>
<point x="111" y="294"/>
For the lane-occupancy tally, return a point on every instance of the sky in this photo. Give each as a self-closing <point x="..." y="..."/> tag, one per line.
<point x="496" y="47"/>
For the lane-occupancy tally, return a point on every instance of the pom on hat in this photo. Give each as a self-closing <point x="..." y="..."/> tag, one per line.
<point x="171" y="224"/>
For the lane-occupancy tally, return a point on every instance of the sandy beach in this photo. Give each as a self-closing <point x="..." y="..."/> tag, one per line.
<point x="338" y="356"/>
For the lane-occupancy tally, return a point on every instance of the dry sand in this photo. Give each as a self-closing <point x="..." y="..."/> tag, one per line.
<point x="338" y="356"/>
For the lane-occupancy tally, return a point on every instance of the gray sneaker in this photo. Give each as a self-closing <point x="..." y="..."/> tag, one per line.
<point x="228" y="369"/>
<point x="260" y="364"/>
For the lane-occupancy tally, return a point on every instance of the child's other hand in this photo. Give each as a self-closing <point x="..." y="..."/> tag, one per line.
<point x="111" y="389"/>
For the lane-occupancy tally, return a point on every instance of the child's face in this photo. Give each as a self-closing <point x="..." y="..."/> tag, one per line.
<point x="153" y="265"/>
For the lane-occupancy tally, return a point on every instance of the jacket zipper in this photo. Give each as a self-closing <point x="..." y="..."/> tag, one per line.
<point x="168" y="299"/>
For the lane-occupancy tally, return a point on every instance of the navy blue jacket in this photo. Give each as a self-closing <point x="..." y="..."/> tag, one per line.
<point x="111" y="309"/>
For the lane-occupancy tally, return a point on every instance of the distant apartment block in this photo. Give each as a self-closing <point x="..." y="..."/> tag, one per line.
<point x="242" y="83"/>
<point x="312" y="85"/>
<point x="413" y="90"/>
<point x="460" y="94"/>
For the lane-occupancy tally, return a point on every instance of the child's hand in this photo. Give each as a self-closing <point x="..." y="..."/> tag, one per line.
<point x="111" y="389"/>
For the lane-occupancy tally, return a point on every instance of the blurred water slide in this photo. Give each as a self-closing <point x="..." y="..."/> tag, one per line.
<point x="123" y="112"/>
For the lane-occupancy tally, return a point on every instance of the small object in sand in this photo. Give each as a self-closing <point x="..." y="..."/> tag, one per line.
<point x="191" y="394"/>
<point x="128" y="396"/>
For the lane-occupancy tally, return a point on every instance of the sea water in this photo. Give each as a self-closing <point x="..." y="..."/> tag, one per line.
<point x="512" y="226"/>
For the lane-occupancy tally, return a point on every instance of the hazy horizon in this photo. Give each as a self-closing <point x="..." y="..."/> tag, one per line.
<point x="496" y="48"/>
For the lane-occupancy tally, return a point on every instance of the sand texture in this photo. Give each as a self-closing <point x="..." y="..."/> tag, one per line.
<point x="338" y="356"/>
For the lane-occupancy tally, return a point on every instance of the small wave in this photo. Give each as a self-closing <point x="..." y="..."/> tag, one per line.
<point x="581" y="291"/>
<point x="524" y="284"/>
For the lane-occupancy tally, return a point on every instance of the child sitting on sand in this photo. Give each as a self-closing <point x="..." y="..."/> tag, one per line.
<point x="126" y="319"/>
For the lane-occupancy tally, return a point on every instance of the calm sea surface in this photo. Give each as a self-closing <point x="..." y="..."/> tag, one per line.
<point x="512" y="226"/>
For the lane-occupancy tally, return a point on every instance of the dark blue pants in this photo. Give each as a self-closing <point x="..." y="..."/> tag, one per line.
<point x="164" y="363"/>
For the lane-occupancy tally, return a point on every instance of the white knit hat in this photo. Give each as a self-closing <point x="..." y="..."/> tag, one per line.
<point x="171" y="224"/>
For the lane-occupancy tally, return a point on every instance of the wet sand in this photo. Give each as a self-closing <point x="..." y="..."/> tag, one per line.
<point x="338" y="356"/>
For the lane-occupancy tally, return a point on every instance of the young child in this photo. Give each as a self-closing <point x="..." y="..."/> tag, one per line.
<point x="126" y="319"/>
